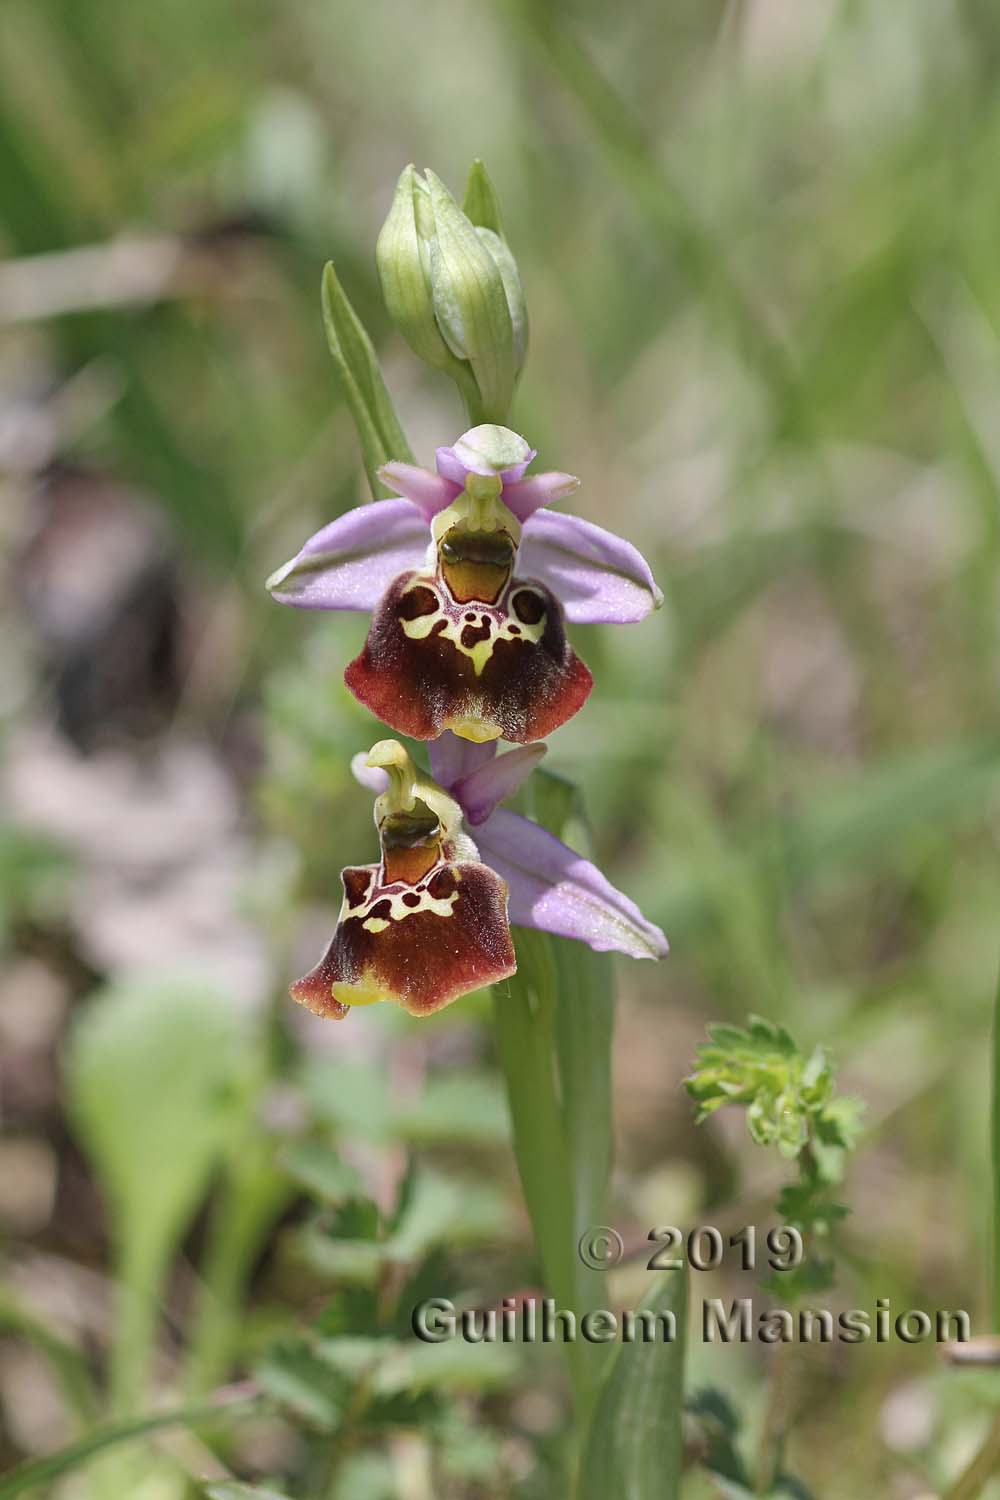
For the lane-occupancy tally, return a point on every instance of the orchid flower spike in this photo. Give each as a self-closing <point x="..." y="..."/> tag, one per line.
<point x="429" y="923"/>
<point x="469" y="579"/>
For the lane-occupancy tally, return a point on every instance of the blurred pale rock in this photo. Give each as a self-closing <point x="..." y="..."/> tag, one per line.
<point x="163" y="861"/>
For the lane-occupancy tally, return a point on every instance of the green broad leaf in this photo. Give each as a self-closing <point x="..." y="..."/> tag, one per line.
<point x="634" y="1447"/>
<point x="318" y="1169"/>
<point x="153" y="1076"/>
<point x="37" y="1475"/>
<point x="379" y="431"/>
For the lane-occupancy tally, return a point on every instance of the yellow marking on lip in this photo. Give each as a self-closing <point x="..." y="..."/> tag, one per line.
<point x="367" y="991"/>
<point x="479" y="654"/>
<point x="479" y="731"/>
<point x="438" y="906"/>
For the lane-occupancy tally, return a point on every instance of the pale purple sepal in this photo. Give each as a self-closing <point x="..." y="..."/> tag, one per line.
<point x="559" y="891"/>
<point x="351" y="562"/>
<point x="429" y="492"/>
<point x="452" y="757"/>
<point x="599" y="577"/>
<point x="464" y="457"/>
<point x="525" y="496"/>
<point x="481" y="790"/>
<point x="372" y="777"/>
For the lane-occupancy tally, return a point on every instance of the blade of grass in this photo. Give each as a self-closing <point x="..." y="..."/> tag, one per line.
<point x="41" y="1471"/>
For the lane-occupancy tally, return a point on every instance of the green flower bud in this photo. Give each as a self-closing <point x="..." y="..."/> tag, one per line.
<point x="453" y="290"/>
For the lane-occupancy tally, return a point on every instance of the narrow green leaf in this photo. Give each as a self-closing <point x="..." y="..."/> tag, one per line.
<point x="42" y="1471"/>
<point x="635" y="1448"/>
<point x="584" y="1038"/>
<point x="379" y="431"/>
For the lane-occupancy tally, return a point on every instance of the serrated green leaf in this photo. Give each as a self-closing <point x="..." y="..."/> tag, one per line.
<point x="446" y="1211"/>
<point x="634" y="1447"/>
<point x="353" y="1262"/>
<point x="298" y="1379"/>
<point x="318" y="1168"/>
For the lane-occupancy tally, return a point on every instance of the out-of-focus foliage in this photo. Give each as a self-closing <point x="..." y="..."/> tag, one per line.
<point x="758" y="243"/>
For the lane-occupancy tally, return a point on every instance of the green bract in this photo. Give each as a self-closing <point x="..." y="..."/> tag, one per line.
<point x="453" y="289"/>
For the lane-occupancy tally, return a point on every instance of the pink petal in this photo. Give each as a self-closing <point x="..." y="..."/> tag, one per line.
<point x="351" y="562"/>
<point x="559" y="891"/>
<point x="372" y="777"/>
<point x="599" y="577"/>
<point x="452" y="758"/>
<point x="429" y="492"/>
<point x="480" y="790"/>
<point x="525" y="496"/>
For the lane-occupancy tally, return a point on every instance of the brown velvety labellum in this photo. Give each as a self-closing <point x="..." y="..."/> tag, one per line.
<point x="422" y="947"/>
<point x="486" y="672"/>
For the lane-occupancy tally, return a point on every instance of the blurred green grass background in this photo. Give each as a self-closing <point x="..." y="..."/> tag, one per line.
<point x="759" y="243"/>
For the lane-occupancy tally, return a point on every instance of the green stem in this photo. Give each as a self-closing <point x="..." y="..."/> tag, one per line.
<point x="984" y="1465"/>
<point x="140" y="1286"/>
<point x="525" y="1031"/>
<point x="995" y="1145"/>
<point x="776" y="1420"/>
<point x="252" y="1195"/>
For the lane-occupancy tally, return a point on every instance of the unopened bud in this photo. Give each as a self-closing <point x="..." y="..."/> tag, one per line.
<point x="453" y="290"/>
